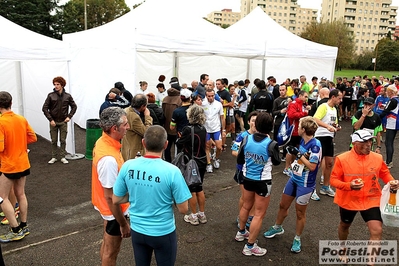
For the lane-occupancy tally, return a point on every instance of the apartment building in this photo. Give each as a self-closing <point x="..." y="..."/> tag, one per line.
<point x="287" y="13"/>
<point x="224" y="17"/>
<point x="368" y="20"/>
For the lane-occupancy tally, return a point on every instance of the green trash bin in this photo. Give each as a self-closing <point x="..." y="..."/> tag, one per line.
<point x="93" y="133"/>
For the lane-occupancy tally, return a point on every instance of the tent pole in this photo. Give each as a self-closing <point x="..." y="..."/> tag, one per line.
<point x="248" y="66"/>
<point x="263" y="68"/>
<point x="20" y="95"/>
<point x="175" y="64"/>
<point x="73" y="155"/>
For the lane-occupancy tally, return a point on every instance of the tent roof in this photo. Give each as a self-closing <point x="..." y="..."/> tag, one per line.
<point x="258" y="28"/>
<point x="157" y="26"/>
<point x="18" y="43"/>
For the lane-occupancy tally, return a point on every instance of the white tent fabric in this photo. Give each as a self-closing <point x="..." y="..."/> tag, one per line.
<point x="28" y="63"/>
<point x="133" y="48"/>
<point x="286" y="54"/>
<point x="142" y="50"/>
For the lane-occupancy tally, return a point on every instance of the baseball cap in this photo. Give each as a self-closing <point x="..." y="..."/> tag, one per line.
<point x="323" y="78"/>
<point x="361" y="136"/>
<point x="369" y="100"/>
<point x="186" y="93"/>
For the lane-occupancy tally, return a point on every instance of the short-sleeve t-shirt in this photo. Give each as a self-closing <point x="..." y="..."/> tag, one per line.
<point x="154" y="185"/>
<point x="179" y="117"/>
<point x="328" y="115"/>
<point x="212" y="111"/>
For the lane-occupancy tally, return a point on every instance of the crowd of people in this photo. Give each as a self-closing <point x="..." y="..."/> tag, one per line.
<point x="142" y="133"/>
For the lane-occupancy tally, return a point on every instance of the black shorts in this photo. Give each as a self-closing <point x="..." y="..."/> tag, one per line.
<point x="240" y="113"/>
<point x="15" y="176"/>
<point x="113" y="228"/>
<point x="263" y="187"/>
<point x="327" y="146"/>
<point x="347" y="216"/>
<point x="295" y="141"/>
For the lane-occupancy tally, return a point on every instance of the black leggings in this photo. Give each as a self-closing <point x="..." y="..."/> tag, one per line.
<point x="164" y="247"/>
<point x="389" y="139"/>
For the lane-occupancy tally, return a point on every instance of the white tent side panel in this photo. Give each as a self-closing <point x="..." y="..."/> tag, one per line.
<point x="93" y="72"/>
<point x="191" y="67"/>
<point x="150" y="66"/>
<point x="10" y="82"/>
<point x="37" y="80"/>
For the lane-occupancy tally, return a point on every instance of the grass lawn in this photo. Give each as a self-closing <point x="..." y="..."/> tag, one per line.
<point x="349" y="73"/>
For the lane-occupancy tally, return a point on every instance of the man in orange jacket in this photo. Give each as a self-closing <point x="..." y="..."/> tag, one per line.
<point x="355" y="175"/>
<point x="107" y="161"/>
<point x="15" y="135"/>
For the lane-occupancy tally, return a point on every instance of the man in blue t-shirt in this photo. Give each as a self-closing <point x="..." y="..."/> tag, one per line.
<point x="152" y="186"/>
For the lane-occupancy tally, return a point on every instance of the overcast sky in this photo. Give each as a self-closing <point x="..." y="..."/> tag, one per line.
<point x="215" y="5"/>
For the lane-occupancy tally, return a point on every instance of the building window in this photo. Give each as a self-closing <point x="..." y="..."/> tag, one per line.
<point x="360" y="11"/>
<point x="357" y="40"/>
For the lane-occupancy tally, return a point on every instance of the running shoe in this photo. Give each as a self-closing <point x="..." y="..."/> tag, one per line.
<point x="64" y="161"/>
<point x="26" y="230"/>
<point x="321" y="180"/>
<point x="287" y="172"/>
<point x="314" y="196"/>
<point x="241" y="237"/>
<point x="390" y="165"/>
<point x="5" y="220"/>
<point x="202" y="218"/>
<point x="283" y="159"/>
<point x="255" y="250"/>
<point x="326" y="190"/>
<point x="216" y="163"/>
<point x="53" y="160"/>
<point x="209" y="168"/>
<point x="296" y="246"/>
<point x="192" y="219"/>
<point x="272" y="232"/>
<point x="249" y="221"/>
<point x="16" y="210"/>
<point x="11" y="236"/>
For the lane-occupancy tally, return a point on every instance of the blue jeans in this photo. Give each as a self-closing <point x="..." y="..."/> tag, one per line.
<point x="164" y="247"/>
<point x="389" y="138"/>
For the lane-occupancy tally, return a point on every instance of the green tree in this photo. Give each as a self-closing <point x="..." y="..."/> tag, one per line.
<point x="34" y="15"/>
<point x="334" y="34"/>
<point x="363" y="61"/>
<point x="387" y="54"/>
<point x="70" y="16"/>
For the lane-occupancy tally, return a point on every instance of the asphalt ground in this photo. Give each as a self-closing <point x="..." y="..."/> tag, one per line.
<point x="66" y="230"/>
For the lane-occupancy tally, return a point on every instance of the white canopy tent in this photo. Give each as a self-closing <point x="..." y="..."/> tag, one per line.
<point x="28" y="63"/>
<point x="134" y="47"/>
<point x="285" y="54"/>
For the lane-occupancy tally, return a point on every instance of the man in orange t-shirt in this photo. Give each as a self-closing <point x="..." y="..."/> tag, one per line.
<point x="15" y="135"/>
<point x="355" y="175"/>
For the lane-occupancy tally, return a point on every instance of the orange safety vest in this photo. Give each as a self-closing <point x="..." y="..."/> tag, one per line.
<point x="349" y="166"/>
<point x="105" y="146"/>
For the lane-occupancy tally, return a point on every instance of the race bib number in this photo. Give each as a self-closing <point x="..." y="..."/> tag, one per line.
<point x="297" y="168"/>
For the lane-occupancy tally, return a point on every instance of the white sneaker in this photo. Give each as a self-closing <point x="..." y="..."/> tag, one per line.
<point x="64" y="161"/>
<point x="314" y="196"/>
<point x="216" y="163"/>
<point x="209" y="168"/>
<point x="321" y="180"/>
<point x="255" y="250"/>
<point x="53" y="160"/>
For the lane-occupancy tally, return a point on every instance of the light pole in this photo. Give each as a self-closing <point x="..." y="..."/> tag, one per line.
<point x="85" y="15"/>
